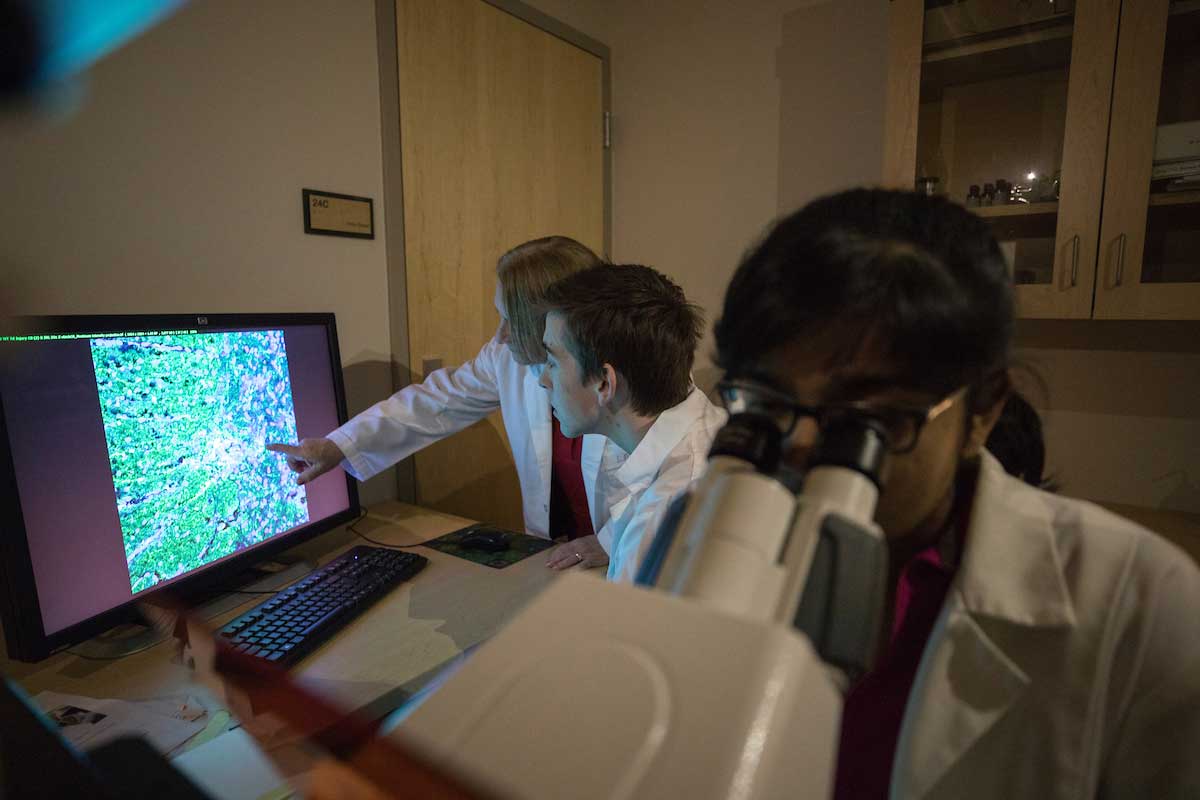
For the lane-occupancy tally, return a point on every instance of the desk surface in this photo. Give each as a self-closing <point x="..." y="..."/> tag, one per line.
<point x="449" y="606"/>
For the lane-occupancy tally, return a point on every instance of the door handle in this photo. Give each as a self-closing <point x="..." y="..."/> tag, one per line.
<point x="1074" y="260"/>
<point x="1120" y="261"/>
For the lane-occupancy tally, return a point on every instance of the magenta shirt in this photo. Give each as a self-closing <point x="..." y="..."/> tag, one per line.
<point x="874" y="706"/>
<point x="569" y="514"/>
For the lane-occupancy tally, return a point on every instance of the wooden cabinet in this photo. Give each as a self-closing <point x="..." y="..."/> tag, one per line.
<point x="1061" y="100"/>
<point x="1149" y="260"/>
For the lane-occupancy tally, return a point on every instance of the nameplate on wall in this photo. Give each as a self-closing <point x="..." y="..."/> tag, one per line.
<point x="331" y="214"/>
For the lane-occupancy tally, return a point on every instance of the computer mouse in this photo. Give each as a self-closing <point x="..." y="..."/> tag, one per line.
<point x="489" y="540"/>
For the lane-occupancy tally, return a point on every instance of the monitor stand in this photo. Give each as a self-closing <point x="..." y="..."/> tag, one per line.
<point x="124" y="640"/>
<point x="118" y="642"/>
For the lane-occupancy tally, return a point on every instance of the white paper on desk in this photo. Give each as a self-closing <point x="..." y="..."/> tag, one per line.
<point x="232" y="767"/>
<point x="87" y="722"/>
<point x="176" y="706"/>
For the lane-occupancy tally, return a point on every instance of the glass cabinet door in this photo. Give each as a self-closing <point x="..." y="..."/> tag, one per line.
<point x="1149" y="261"/>
<point x="1012" y="120"/>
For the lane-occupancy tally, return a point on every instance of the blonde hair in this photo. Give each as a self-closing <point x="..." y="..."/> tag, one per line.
<point x="525" y="273"/>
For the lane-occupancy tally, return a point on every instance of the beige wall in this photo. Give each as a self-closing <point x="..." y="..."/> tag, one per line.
<point x="175" y="185"/>
<point x="698" y="90"/>
<point x="832" y="74"/>
<point x="727" y="114"/>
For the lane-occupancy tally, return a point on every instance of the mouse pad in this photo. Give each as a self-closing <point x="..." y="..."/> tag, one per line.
<point x="520" y="546"/>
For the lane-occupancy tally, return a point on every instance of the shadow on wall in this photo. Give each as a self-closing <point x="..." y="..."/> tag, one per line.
<point x="494" y="496"/>
<point x="831" y="98"/>
<point x="1186" y="491"/>
<point x="368" y="382"/>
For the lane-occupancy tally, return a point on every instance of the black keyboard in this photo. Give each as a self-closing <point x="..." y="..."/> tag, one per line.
<point x="304" y="616"/>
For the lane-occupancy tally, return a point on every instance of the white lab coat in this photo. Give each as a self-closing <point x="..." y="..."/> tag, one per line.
<point x="635" y="489"/>
<point x="451" y="399"/>
<point x="1065" y="662"/>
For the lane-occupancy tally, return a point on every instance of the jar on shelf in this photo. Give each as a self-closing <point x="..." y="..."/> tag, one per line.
<point x="1003" y="192"/>
<point x="927" y="185"/>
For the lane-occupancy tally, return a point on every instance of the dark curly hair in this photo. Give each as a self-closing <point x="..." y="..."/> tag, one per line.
<point x="921" y="275"/>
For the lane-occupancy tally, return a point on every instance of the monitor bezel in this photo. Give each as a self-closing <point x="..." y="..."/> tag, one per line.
<point x="20" y="608"/>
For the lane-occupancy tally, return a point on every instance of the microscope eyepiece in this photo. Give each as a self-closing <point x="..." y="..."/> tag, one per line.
<point x="754" y="438"/>
<point x="856" y="442"/>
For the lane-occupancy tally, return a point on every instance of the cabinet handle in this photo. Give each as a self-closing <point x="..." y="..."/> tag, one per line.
<point x="1074" y="259"/>
<point x="1120" y="260"/>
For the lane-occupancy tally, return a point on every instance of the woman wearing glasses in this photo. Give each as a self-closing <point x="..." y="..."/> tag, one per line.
<point x="1037" y="646"/>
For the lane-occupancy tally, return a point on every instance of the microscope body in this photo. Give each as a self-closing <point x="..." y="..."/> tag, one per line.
<point x="643" y="695"/>
<point x="719" y="675"/>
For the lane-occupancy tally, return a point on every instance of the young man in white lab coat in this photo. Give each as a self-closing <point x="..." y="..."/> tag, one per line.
<point x="503" y="376"/>
<point x="1034" y="645"/>
<point x="620" y="341"/>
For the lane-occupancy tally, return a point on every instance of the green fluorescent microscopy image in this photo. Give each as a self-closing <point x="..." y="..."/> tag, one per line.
<point x="187" y="419"/>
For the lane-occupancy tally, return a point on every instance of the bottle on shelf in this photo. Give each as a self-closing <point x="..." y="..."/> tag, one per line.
<point x="989" y="194"/>
<point x="1045" y="189"/>
<point x="935" y="172"/>
<point x="974" y="200"/>
<point x="1003" y="192"/>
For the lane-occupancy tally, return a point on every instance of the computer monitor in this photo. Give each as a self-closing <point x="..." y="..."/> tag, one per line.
<point x="133" y="459"/>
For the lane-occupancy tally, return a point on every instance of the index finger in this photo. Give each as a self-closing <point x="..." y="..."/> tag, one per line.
<point x="286" y="449"/>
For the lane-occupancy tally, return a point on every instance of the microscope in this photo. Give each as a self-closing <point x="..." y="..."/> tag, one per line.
<point x="720" y="674"/>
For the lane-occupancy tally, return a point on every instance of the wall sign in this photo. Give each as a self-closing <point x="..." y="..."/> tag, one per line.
<point x="332" y="214"/>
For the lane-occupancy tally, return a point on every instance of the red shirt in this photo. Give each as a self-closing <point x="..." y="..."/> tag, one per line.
<point x="874" y="707"/>
<point x="569" y="514"/>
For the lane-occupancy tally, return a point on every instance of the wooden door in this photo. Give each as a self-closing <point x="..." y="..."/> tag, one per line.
<point x="1150" y="236"/>
<point x="501" y="142"/>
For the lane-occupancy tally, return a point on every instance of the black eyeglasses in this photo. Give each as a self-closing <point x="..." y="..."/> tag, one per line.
<point x="902" y="423"/>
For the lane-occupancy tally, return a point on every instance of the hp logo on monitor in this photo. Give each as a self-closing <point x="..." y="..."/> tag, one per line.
<point x="201" y="320"/>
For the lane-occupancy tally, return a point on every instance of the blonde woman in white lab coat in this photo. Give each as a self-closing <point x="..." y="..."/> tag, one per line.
<point x="1036" y="646"/>
<point x="504" y="375"/>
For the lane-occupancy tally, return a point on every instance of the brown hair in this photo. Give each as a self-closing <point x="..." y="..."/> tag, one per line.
<point x="525" y="273"/>
<point x="635" y="319"/>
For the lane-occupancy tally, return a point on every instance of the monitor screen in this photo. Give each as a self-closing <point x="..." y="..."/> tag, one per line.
<point x="137" y="449"/>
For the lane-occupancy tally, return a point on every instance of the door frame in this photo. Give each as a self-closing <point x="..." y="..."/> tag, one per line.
<point x="393" y="178"/>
